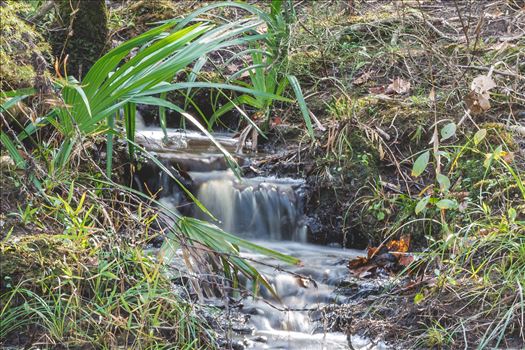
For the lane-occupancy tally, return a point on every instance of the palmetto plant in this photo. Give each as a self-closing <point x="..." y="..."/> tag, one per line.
<point x="266" y="69"/>
<point x="112" y="84"/>
<point x="117" y="82"/>
<point x="142" y="71"/>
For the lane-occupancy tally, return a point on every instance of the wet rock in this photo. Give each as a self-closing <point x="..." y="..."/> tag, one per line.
<point x="260" y="339"/>
<point x="253" y="311"/>
<point x="317" y="315"/>
<point x="240" y="329"/>
<point x="248" y="343"/>
<point x="238" y="345"/>
<point x="232" y="345"/>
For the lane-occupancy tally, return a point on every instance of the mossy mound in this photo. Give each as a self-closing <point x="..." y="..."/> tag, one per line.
<point x="20" y="46"/>
<point x="29" y="256"/>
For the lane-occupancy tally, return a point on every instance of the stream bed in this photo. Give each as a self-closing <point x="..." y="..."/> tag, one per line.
<point x="269" y="212"/>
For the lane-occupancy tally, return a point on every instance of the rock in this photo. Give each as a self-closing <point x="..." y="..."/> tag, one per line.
<point x="238" y="345"/>
<point x="253" y="311"/>
<point x="243" y="329"/>
<point x="234" y="345"/>
<point x="260" y="339"/>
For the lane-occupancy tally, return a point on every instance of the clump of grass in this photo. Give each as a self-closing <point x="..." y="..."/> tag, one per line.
<point x="111" y="298"/>
<point x="479" y="276"/>
<point x="85" y="287"/>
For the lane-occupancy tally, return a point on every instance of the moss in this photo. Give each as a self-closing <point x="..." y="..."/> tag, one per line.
<point x="28" y="256"/>
<point x="86" y="41"/>
<point x="20" y="43"/>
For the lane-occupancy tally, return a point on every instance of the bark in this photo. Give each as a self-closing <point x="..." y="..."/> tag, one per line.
<point x="83" y="36"/>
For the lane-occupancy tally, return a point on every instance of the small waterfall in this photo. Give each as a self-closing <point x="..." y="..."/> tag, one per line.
<point x="257" y="208"/>
<point x="266" y="210"/>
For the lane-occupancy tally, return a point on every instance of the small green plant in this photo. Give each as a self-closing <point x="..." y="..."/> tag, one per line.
<point x="28" y="214"/>
<point x="478" y="253"/>
<point x="266" y="71"/>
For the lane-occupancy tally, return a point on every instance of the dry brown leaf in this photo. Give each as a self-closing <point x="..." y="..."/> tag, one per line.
<point x="508" y="157"/>
<point x="399" y="246"/>
<point x="232" y="68"/>
<point x="432" y="95"/>
<point x="398" y="86"/>
<point x="363" y="78"/>
<point x="275" y="121"/>
<point x="404" y="259"/>
<point x="477" y="103"/>
<point x="377" y="90"/>
<point x="357" y="262"/>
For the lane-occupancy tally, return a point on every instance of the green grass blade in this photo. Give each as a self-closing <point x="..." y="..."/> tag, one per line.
<point x="130" y="116"/>
<point x="12" y="150"/>
<point x="302" y="103"/>
<point x="109" y="146"/>
<point x="162" y="117"/>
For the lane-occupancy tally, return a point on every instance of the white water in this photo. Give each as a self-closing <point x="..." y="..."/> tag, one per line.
<point x="255" y="208"/>
<point x="299" y="329"/>
<point x="269" y="212"/>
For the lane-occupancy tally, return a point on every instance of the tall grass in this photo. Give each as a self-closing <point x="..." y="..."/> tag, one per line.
<point x="479" y="255"/>
<point x="106" y="299"/>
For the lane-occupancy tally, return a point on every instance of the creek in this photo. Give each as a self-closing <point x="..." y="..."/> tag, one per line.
<point x="268" y="211"/>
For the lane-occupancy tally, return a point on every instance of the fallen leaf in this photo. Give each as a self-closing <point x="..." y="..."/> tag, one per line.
<point x="365" y="274"/>
<point x="482" y="84"/>
<point x="432" y="95"/>
<point x="390" y="258"/>
<point x="357" y="262"/>
<point x="276" y="121"/>
<point x="401" y="245"/>
<point x="377" y="90"/>
<point x="508" y="157"/>
<point x="398" y="86"/>
<point x="477" y="103"/>
<point x="404" y="259"/>
<point x="363" y="78"/>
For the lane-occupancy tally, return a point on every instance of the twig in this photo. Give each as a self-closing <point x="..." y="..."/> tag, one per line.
<point x="42" y="11"/>
<point x="500" y="72"/>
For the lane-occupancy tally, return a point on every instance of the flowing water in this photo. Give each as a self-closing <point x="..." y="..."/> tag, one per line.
<point x="268" y="211"/>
